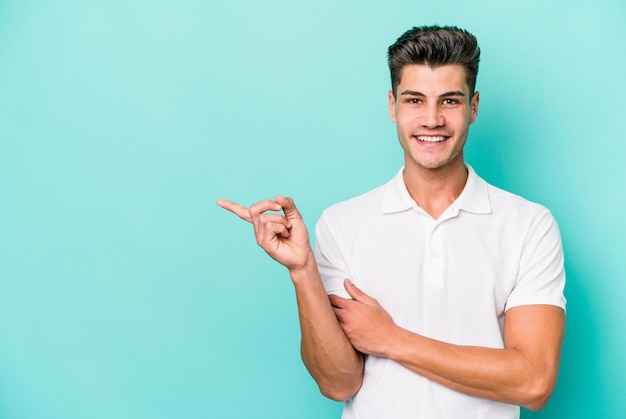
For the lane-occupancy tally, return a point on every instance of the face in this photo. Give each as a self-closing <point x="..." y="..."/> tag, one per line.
<point x="433" y="109"/>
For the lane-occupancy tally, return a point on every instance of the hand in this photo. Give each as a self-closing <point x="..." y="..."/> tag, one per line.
<point x="284" y="238"/>
<point x="365" y="322"/>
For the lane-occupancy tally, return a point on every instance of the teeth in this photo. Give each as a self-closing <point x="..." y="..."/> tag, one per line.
<point x="431" y="139"/>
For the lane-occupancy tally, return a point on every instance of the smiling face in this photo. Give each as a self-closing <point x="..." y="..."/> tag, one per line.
<point x="433" y="109"/>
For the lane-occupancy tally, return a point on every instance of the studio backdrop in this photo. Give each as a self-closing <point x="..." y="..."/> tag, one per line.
<point x="125" y="292"/>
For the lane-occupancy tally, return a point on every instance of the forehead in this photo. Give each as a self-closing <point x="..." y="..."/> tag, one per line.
<point x="433" y="80"/>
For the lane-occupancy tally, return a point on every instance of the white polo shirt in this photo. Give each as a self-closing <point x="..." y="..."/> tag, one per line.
<point x="450" y="279"/>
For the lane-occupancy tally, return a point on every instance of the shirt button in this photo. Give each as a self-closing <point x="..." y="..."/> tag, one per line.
<point x="436" y="253"/>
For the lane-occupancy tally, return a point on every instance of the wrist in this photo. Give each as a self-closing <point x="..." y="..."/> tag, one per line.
<point x="398" y="342"/>
<point x="305" y="270"/>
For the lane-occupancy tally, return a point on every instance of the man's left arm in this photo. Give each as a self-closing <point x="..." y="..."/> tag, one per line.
<point x="523" y="373"/>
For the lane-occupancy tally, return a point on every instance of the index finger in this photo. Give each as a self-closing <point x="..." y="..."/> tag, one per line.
<point x="337" y="301"/>
<point x="239" y="210"/>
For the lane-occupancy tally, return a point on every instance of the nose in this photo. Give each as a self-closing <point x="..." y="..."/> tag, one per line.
<point x="432" y="117"/>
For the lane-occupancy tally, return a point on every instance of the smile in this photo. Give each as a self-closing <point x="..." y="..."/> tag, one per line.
<point x="431" y="138"/>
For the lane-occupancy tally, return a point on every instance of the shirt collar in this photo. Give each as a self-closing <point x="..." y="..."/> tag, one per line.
<point x="474" y="197"/>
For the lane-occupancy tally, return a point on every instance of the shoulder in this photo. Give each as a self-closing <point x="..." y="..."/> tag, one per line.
<point x="520" y="216"/>
<point x="347" y="218"/>
<point x="503" y="201"/>
<point x="482" y="198"/>
<point x="392" y="196"/>
<point x="358" y="205"/>
<point x="504" y="210"/>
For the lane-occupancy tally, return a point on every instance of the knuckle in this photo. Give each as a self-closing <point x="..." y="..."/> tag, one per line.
<point x="259" y="206"/>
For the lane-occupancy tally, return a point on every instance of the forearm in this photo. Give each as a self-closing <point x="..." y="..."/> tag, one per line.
<point x="519" y="375"/>
<point x="496" y="374"/>
<point x="326" y="351"/>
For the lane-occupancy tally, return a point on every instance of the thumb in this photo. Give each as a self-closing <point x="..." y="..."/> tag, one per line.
<point x="356" y="293"/>
<point x="289" y="208"/>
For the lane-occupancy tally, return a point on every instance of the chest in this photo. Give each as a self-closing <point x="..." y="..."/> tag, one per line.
<point x="458" y="272"/>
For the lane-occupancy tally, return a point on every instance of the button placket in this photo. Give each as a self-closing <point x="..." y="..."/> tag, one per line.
<point x="436" y="253"/>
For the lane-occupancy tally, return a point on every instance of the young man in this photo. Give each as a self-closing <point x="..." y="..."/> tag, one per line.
<point x="436" y="295"/>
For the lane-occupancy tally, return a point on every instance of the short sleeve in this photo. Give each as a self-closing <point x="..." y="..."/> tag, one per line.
<point x="330" y="258"/>
<point x="541" y="276"/>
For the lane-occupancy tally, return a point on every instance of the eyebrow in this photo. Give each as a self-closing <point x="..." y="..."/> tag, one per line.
<point x="447" y="94"/>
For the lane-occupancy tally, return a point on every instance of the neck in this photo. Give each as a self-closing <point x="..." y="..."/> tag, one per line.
<point x="435" y="190"/>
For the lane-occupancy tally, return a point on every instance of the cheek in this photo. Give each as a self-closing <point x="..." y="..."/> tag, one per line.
<point x="404" y="119"/>
<point x="461" y="120"/>
<point x="465" y="118"/>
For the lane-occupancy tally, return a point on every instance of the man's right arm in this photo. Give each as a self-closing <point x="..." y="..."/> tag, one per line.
<point x="326" y="351"/>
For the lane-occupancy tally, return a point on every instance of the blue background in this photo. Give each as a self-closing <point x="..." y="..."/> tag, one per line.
<point x="126" y="292"/>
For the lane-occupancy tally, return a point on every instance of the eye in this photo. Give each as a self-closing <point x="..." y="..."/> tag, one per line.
<point x="449" y="101"/>
<point x="414" y="101"/>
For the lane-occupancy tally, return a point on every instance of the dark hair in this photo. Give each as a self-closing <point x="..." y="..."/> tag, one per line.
<point x="434" y="46"/>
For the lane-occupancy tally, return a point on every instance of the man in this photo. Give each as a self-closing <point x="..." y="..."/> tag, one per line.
<point x="445" y="294"/>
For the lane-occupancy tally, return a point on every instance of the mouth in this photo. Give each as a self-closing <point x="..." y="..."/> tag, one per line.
<point x="431" y="138"/>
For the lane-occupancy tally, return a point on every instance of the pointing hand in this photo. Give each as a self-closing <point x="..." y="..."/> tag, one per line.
<point x="284" y="237"/>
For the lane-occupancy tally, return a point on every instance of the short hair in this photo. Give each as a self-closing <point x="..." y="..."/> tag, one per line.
<point x="434" y="46"/>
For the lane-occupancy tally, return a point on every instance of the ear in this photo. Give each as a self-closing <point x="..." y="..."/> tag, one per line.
<point x="392" y="106"/>
<point x="474" y="104"/>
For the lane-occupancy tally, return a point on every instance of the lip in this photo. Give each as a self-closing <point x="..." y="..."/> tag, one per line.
<point x="431" y="138"/>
